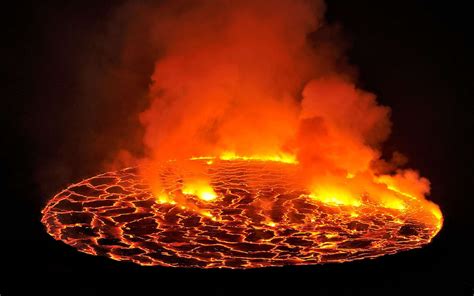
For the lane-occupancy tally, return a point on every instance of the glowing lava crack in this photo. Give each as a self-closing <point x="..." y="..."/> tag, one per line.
<point x="261" y="217"/>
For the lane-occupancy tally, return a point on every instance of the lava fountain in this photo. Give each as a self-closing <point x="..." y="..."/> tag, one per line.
<point x="260" y="149"/>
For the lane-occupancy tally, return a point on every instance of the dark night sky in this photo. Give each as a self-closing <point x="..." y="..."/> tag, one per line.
<point x="415" y="55"/>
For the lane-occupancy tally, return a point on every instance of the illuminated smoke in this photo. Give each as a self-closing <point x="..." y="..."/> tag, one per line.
<point x="267" y="80"/>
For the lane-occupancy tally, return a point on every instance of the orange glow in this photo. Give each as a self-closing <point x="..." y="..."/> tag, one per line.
<point x="407" y="183"/>
<point x="335" y="196"/>
<point x="200" y="188"/>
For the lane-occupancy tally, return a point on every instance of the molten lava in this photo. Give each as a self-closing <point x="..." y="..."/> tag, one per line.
<point x="258" y="148"/>
<point x="248" y="214"/>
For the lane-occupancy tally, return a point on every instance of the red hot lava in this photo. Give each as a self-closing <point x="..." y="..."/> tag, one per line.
<point x="261" y="216"/>
<point x="261" y="150"/>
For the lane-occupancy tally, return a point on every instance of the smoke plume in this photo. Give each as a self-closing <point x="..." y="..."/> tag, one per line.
<point x="266" y="78"/>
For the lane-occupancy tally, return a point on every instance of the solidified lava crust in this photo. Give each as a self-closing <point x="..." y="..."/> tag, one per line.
<point x="261" y="218"/>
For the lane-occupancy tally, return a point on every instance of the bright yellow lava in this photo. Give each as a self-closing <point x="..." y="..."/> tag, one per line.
<point x="230" y="155"/>
<point x="334" y="196"/>
<point x="281" y="157"/>
<point x="393" y="203"/>
<point x="200" y="188"/>
<point x="328" y="193"/>
<point x="270" y="223"/>
<point x="164" y="198"/>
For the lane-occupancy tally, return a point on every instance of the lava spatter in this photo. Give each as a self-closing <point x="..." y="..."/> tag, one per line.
<point x="261" y="217"/>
